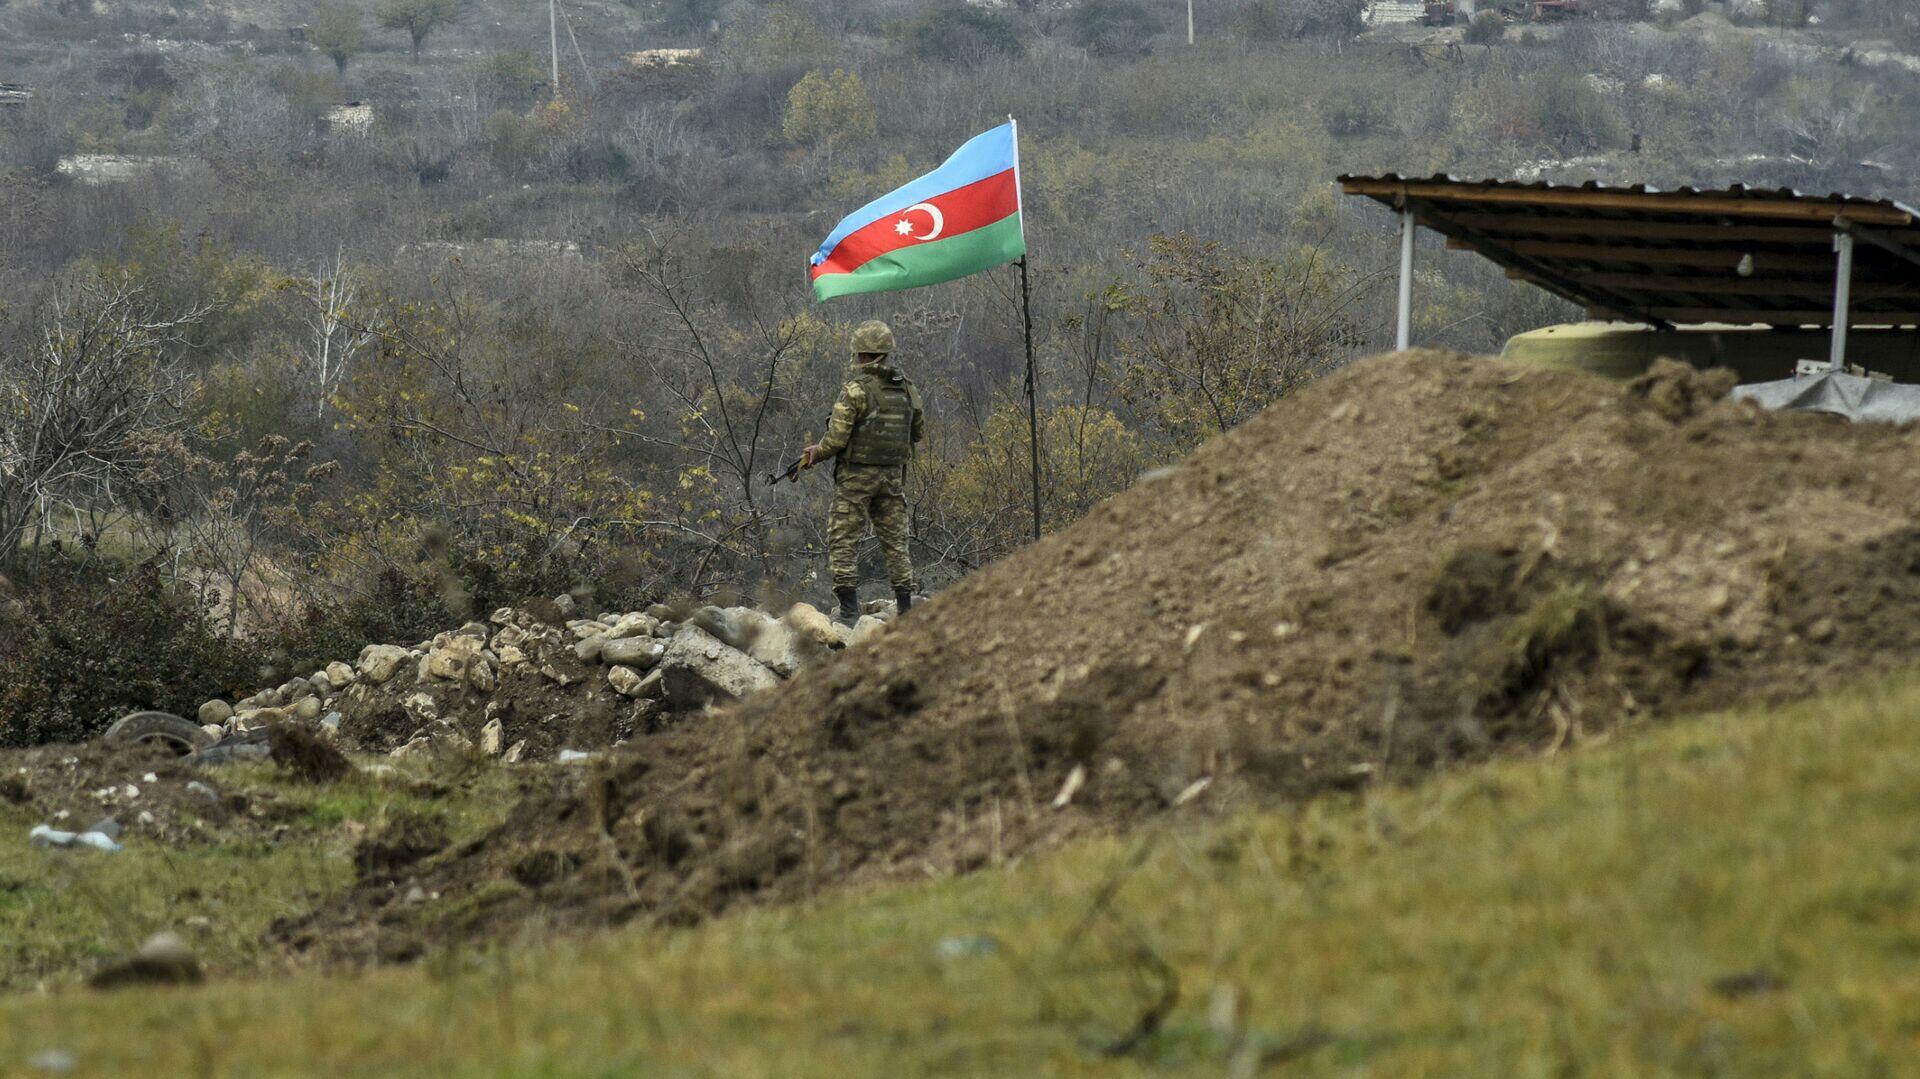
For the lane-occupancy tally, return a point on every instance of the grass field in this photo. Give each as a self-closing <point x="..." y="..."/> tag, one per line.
<point x="1735" y="894"/>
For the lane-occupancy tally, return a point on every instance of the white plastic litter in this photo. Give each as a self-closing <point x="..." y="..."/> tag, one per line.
<point x="43" y="836"/>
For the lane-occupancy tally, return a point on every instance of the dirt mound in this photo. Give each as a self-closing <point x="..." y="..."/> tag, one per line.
<point x="1421" y="559"/>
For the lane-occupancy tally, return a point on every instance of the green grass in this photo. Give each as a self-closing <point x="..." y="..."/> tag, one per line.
<point x="62" y="912"/>
<point x="1554" y="916"/>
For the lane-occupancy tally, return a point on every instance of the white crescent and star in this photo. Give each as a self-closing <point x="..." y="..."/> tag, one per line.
<point x="904" y="226"/>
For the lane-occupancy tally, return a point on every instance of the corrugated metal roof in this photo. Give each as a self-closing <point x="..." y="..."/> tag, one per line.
<point x="1736" y="254"/>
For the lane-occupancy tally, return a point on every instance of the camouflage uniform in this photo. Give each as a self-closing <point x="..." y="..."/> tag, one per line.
<point x="876" y="423"/>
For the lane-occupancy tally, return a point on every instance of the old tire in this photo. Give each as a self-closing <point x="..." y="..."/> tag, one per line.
<point x="163" y="728"/>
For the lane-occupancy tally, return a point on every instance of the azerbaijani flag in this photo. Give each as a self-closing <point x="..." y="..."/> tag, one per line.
<point x="961" y="218"/>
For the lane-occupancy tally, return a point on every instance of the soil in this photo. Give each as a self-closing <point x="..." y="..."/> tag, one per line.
<point x="1423" y="559"/>
<point x="71" y="787"/>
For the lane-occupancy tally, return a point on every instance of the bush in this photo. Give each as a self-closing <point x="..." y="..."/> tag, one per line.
<point x="1350" y="111"/>
<point x="90" y="640"/>
<point x="1289" y="20"/>
<point x="1487" y="28"/>
<point x="957" y="33"/>
<point x="1113" y="27"/>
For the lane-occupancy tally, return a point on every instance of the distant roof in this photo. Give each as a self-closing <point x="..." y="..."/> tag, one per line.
<point x="1738" y="255"/>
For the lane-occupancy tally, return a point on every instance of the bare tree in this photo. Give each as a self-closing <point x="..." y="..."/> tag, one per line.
<point x="335" y="341"/>
<point x="80" y="399"/>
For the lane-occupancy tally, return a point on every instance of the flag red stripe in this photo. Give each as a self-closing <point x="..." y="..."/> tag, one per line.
<point x="973" y="206"/>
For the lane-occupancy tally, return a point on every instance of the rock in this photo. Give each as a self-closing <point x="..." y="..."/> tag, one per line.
<point x="421" y="706"/>
<point x="419" y="746"/>
<point x="295" y="690"/>
<point x="503" y="616"/>
<point x="266" y="698"/>
<point x="588" y="649"/>
<point x="474" y="629"/>
<point x="480" y="676"/>
<point x="809" y="622"/>
<point x="640" y="652"/>
<point x="378" y="662"/>
<point x="214" y="730"/>
<point x="493" y="737"/>
<point x="214" y="713"/>
<point x="732" y="626"/>
<point x="511" y="657"/>
<point x="164" y="959"/>
<point x="510" y="637"/>
<point x="646" y="710"/>
<point x="307" y="708"/>
<point x="331" y="722"/>
<point x="452" y="657"/>
<point x="868" y="626"/>
<point x="515" y="752"/>
<point x="557" y="676"/>
<point x="564" y="601"/>
<point x="340" y="674"/>
<point x="698" y="667"/>
<point x="881" y="608"/>
<point x="259" y="718"/>
<point x="584" y="628"/>
<point x="322" y="685"/>
<point x="626" y="681"/>
<point x="660" y="612"/>
<point x="636" y="624"/>
<point x="782" y="649"/>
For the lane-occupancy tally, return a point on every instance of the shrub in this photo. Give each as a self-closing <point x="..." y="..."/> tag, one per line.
<point x="1289" y="20"/>
<point x="1487" y="28"/>
<point x="1113" y="27"/>
<point x="1351" y="111"/>
<point x="91" y="640"/>
<point x="957" y="33"/>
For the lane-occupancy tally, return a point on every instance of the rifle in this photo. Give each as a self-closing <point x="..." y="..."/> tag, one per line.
<point x="792" y="473"/>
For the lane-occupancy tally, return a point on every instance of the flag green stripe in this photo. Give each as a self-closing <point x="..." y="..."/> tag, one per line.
<point x="930" y="263"/>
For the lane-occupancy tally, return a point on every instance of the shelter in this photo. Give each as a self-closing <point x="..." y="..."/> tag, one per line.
<point x="1737" y="256"/>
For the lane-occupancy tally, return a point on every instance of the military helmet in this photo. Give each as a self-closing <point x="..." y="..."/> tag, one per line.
<point x="873" y="335"/>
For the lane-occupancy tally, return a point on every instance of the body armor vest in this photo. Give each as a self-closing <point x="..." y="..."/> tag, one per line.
<point x="884" y="436"/>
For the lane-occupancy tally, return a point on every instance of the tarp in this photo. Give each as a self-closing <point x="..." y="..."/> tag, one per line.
<point x="1858" y="399"/>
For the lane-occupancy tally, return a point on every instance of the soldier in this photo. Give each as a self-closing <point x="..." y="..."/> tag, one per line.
<point x="875" y="426"/>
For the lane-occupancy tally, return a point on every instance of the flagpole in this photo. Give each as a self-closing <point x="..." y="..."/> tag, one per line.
<point x="1033" y="394"/>
<point x="1026" y="321"/>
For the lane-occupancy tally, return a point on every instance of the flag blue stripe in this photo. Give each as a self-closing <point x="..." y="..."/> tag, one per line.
<point x="987" y="154"/>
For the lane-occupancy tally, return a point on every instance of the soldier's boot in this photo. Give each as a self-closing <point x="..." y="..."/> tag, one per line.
<point x="849" y="604"/>
<point x="903" y="599"/>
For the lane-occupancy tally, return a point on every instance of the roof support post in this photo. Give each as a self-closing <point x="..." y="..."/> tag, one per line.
<point x="1842" y="298"/>
<point x="1407" y="226"/>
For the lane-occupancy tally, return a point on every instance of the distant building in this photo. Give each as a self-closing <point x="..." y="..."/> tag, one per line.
<point x="97" y="169"/>
<point x="1388" y="12"/>
<point x="666" y="57"/>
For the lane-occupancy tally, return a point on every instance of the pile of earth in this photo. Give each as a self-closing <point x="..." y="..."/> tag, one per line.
<point x="533" y="681"/>
<point x="1421" y="559"/>
<point x="145" y="791"/>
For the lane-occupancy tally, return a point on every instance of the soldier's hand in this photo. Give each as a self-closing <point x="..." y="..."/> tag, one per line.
<point x="810" y="456"/>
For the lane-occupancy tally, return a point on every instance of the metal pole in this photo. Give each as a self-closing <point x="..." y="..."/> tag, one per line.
<point x="1033" y="394"/>
<point x="553" y="38"/>
<point x="1405" y="339"/>
<point x="1842" y="299"/>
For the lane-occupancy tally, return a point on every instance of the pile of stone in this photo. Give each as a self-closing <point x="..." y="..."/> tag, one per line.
<point x="519" y="686"/>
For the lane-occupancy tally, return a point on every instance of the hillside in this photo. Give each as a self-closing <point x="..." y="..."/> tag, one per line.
<point x="1533" y="916"/>
<point x="1423" y="559"/>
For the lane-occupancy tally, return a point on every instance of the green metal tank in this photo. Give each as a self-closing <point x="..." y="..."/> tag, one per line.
<point x="1756" y="354"/>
